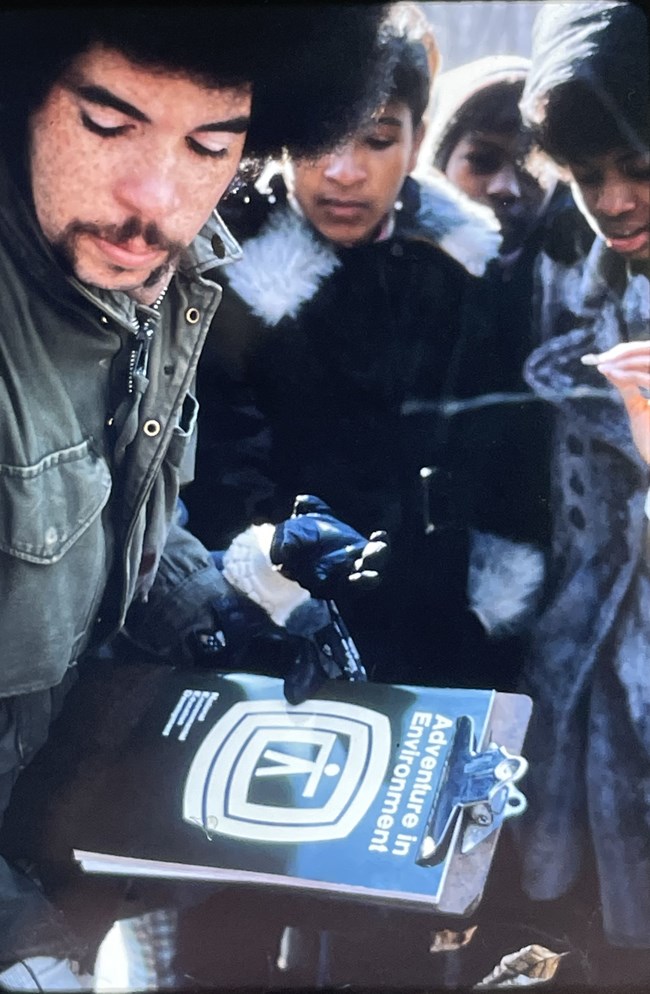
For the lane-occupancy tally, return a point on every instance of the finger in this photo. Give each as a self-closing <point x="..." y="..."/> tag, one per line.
<point x="628" y="382"/>
<point x="640" y="348"/>
<point x="630" y="370"/>
<point x="309" y="504"/>
<point x="373" y="547"/>
<point x="365" y="578"/>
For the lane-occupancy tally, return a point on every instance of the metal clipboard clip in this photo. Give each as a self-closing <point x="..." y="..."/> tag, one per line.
<point x="477" y="787"/>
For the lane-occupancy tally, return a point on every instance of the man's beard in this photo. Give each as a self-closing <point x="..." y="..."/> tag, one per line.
<point x="65" y="247"/>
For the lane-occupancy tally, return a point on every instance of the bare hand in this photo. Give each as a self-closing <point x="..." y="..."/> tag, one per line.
<point x="627" y="367"/>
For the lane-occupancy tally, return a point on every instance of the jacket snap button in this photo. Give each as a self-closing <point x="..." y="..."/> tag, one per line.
<point x="50" y="536"/>
<point x="192" y="315"/>
<point x="103" y="319"/>
<point x="151" y="428"/>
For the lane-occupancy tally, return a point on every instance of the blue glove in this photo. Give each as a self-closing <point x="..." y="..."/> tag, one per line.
<point x="324" y="554"/>
<point x="277" y="568"/>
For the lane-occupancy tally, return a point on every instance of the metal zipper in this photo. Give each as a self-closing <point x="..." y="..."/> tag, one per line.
<point x="139" y="357"/>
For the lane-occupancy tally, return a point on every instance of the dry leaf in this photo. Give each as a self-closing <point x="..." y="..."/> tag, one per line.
<point x="530" y="965"/>
<point x="446" y="941"/>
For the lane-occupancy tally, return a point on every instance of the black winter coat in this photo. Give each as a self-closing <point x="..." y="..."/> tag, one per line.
<point x="327" y="373"/>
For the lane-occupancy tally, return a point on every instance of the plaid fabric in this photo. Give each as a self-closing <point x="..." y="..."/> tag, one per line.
<point x="145" y="948"/>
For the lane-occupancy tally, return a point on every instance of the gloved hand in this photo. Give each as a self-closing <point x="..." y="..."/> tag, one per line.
<point x="324" y="554"/>
<point x="275" y="567"/>
<point x="311" y="553"/>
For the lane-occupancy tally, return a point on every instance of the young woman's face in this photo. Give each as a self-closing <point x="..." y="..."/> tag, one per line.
<point x="489" y="166"/>
<point x="348" y="193"/>
<point x="613" y="190"/>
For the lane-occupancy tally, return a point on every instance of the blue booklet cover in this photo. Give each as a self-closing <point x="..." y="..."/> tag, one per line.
<point x="224" y="780"/>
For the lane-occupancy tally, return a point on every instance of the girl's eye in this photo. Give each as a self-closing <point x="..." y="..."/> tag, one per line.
<point x="214" y="153"/>
<point x="376" y="143"/>
<point x="483" y="164"/>
<point x="104" y="130"/>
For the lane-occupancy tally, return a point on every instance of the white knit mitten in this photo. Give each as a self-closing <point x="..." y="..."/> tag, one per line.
<point x="247" y="566"/>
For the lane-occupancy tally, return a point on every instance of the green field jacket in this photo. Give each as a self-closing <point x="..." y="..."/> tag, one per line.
<point x="90" y="472"/>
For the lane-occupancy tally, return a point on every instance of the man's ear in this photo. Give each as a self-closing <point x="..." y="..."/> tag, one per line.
<point x="418" y="136"/>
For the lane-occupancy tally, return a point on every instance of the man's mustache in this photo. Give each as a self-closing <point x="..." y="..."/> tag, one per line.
<point x="120" y="234"/>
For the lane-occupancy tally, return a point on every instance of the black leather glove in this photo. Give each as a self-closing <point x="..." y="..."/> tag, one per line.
<point x="324" y="554"/>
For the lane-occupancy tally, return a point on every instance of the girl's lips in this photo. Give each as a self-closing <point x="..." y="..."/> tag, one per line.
<point x="341" y="207"/>
<point x="129" y="255"/>
<point x="343" y="210"/>
<point x="629" y="243"/>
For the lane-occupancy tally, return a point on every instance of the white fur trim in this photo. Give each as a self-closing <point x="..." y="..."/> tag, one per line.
<point x="471" y="247"/>
<point x="282" y="267"/>
<point x="247" y="566"/>
<point x="467" y="231"/>
<point x="503" y="582"/>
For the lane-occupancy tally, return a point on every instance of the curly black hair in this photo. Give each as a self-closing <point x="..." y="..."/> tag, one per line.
<point x="315" y="69"/>
<point x="588" y="87"/>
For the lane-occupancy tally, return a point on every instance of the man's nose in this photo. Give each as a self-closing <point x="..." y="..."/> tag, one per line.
<point x="505" y="184"/>
<point x="345" y="166"/>
<point x="150" y="190"/>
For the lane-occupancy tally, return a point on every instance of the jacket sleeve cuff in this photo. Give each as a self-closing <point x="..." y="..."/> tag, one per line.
<point x="182" y="598"/>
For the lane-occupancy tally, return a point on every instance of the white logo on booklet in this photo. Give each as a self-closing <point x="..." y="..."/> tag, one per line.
<point x="275" y="773"/>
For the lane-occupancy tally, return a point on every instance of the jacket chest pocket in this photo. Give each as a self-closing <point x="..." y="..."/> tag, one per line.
<point x="46" y="507"/>
<point x="53" y="545"/>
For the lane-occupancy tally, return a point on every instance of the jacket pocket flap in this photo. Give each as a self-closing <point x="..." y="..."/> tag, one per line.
<point x="45" y="507"/>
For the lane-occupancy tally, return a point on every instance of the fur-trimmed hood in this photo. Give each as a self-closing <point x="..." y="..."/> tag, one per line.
<point x="285" y="260"/>
<point x="458" y="87"/>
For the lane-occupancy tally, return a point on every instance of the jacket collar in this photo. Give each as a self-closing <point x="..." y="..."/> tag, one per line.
<point x="432" y="209"/>
<point x="467" y="231"/>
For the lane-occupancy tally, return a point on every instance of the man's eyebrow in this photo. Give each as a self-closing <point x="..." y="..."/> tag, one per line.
<point x="236" y="125"/>
<point x="104" y="98"/>
<point x="100" y="95"/>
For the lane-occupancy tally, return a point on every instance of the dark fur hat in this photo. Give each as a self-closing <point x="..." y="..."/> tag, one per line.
<point x="315" y="69"/>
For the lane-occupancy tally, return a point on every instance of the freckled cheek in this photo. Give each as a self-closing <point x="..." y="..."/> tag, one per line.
<point x="71" y="184"/>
